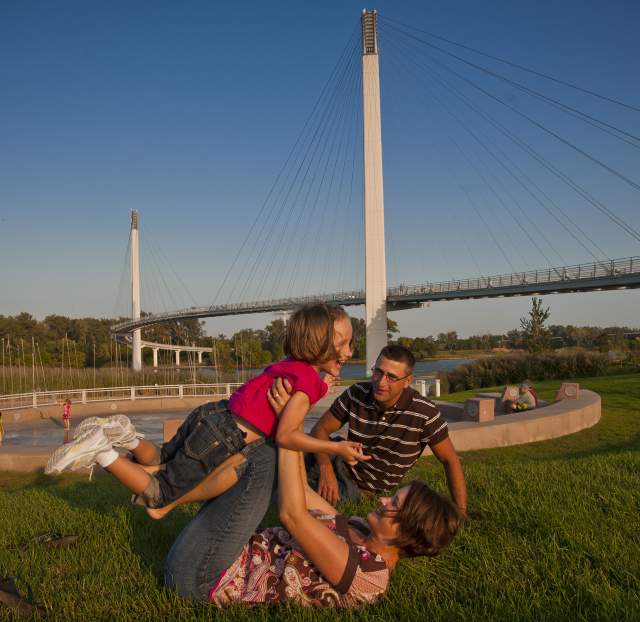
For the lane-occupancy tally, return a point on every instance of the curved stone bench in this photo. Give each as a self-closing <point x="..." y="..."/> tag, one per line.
<point x="558" y="419"/>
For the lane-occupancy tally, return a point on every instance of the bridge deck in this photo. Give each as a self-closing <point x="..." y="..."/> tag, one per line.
<point x="594" y="276"/>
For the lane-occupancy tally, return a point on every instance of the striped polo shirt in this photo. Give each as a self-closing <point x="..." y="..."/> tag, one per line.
<point x="394" y="438"/>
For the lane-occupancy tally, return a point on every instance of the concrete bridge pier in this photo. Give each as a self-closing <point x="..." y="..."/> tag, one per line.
<point x="155" y="357"/>
<point x="375" y="265"/>
<point x="199" y="357"/>
<point x="178" y="358"/>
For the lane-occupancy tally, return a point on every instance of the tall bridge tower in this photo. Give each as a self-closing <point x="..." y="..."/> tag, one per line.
<point x="136" y="359"/>
<point x="375" y="266"/>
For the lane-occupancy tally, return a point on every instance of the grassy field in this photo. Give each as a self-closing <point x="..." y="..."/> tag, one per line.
<point x="553" y="535"/>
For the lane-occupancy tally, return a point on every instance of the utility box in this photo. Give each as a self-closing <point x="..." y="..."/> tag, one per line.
<point x="568" y="391"/>
<point x="479" y="409"/>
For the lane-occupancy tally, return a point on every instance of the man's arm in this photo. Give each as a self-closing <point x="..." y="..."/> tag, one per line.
<point x="447" y="455"/>
<point x="327" y="482"/>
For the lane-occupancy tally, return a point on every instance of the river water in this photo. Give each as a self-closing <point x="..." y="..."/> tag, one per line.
<point x="350" y="371"/>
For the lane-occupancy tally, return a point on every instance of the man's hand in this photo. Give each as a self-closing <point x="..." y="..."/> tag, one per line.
<point x="328" y="487"/>
<point x="279" y="394"/>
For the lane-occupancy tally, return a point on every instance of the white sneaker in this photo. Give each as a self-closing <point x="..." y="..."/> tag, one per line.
<point x="117" y="428"/>
<point x="79" y="453"/>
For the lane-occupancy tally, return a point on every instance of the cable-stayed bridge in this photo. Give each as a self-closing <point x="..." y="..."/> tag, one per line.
<point x="299" y="199"/>
<point x="593" y="276"/>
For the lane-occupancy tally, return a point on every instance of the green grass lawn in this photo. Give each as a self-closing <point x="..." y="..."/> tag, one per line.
<point x="554" y="534"/>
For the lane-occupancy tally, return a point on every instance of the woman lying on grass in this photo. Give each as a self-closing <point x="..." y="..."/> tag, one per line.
<point x="317" y="558"/>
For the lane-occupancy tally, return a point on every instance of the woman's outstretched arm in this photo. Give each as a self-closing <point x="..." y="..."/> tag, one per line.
<point x="290" y="433"/>
<point x="327" y="551"/>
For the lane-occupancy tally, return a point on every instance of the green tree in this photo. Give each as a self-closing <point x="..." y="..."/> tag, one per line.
<point x="273" y="339"/>
<point x="392" y="328"/>
<point x="359" y="338"/>
<point x="536" y="335"/>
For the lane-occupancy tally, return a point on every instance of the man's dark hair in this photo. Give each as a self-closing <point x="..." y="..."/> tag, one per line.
<point x="427" y="522"/>
<point x="399" y="354"/>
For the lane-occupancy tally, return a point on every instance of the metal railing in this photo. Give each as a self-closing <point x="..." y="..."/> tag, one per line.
<point x="37" y="399"/>
<point x="424" y="385"/>
<point x="594" y="270"/>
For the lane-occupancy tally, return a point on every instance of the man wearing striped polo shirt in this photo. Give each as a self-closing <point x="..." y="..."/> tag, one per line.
<point x="394" y="423"/>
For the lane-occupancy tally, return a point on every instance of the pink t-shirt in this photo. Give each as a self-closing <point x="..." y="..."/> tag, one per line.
<point x="250" y="403"/>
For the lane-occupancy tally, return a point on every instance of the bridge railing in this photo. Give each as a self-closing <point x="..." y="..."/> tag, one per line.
<point x="579" y="272"/>
<point x="37" y="399"/>
<point x="597" y="269"/>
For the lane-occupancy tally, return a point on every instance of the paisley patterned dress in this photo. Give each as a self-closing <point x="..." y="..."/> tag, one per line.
<point x="273" y="569"/>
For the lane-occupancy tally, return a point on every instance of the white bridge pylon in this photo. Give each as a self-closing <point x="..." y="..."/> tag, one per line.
<point x="375" y="264"/>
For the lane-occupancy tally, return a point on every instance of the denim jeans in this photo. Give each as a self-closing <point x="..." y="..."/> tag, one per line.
<point x="212" y="541"/>
<point x="206" y="438"/>
<point x="348" y="489"/>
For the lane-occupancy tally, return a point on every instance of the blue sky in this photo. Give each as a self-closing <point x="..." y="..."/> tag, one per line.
<point x="187" y="113"/>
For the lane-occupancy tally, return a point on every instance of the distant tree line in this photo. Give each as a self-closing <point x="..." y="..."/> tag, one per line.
<point x="86" y="342"/>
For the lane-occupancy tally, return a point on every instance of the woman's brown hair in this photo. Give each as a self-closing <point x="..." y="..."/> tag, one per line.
<point x="428" y="521"/>
<point x="309" y="333"/>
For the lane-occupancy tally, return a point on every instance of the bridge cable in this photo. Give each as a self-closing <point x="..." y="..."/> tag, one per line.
<point x="299" y="141"/>
<point x="538" y="157"/>
<point x="542" y="204"/>
<point x="333" y="156"/>
<point x="284" y="167"/>
<point x="122" y="287"/>
<point x="517" y="66"/>
<point x="266" y="238"/>
<point x="574" y="112"/>
<point x="347" y="176"/>
<point x="449" y="111"/>
<point x="348" y="135"/>
<point x="329" y="140"/>
<point x="542" y="127"/>
<point x="309" y="157"/>
<point x="162" y="258"/>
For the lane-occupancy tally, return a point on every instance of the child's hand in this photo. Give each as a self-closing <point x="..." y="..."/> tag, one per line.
<point x="331" y="381"/>
<point x="351" y="452"/>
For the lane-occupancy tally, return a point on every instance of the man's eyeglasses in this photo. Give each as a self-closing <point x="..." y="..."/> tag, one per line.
<point x="379" y="374"/>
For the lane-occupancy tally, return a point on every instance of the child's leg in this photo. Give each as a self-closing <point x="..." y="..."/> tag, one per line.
<point x="219" y="481"/>
<point x="131" y="475"/>
<point x="146" y="452"/>
<point x="214" y="439"/>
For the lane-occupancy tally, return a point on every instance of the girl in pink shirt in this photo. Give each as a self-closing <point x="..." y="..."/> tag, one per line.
<point x="205" y="457"/>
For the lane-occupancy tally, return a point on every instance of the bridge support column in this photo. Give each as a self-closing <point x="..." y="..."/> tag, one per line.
<point x="136" y="344"/>
<point x="375" y="265"/>
<point x="200" y="357"/>
<point x="177" y="357"/>
<point x="155" y="357"/>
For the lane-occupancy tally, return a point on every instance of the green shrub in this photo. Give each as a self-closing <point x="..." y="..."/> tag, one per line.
<point x="513" y="369"/>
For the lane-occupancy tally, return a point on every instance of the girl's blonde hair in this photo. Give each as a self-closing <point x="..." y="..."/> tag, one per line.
<point x="309" y="333"/>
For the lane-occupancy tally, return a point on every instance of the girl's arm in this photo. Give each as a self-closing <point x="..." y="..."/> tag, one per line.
<point x="327" y="551"/>
<point x="290" y="435"/>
